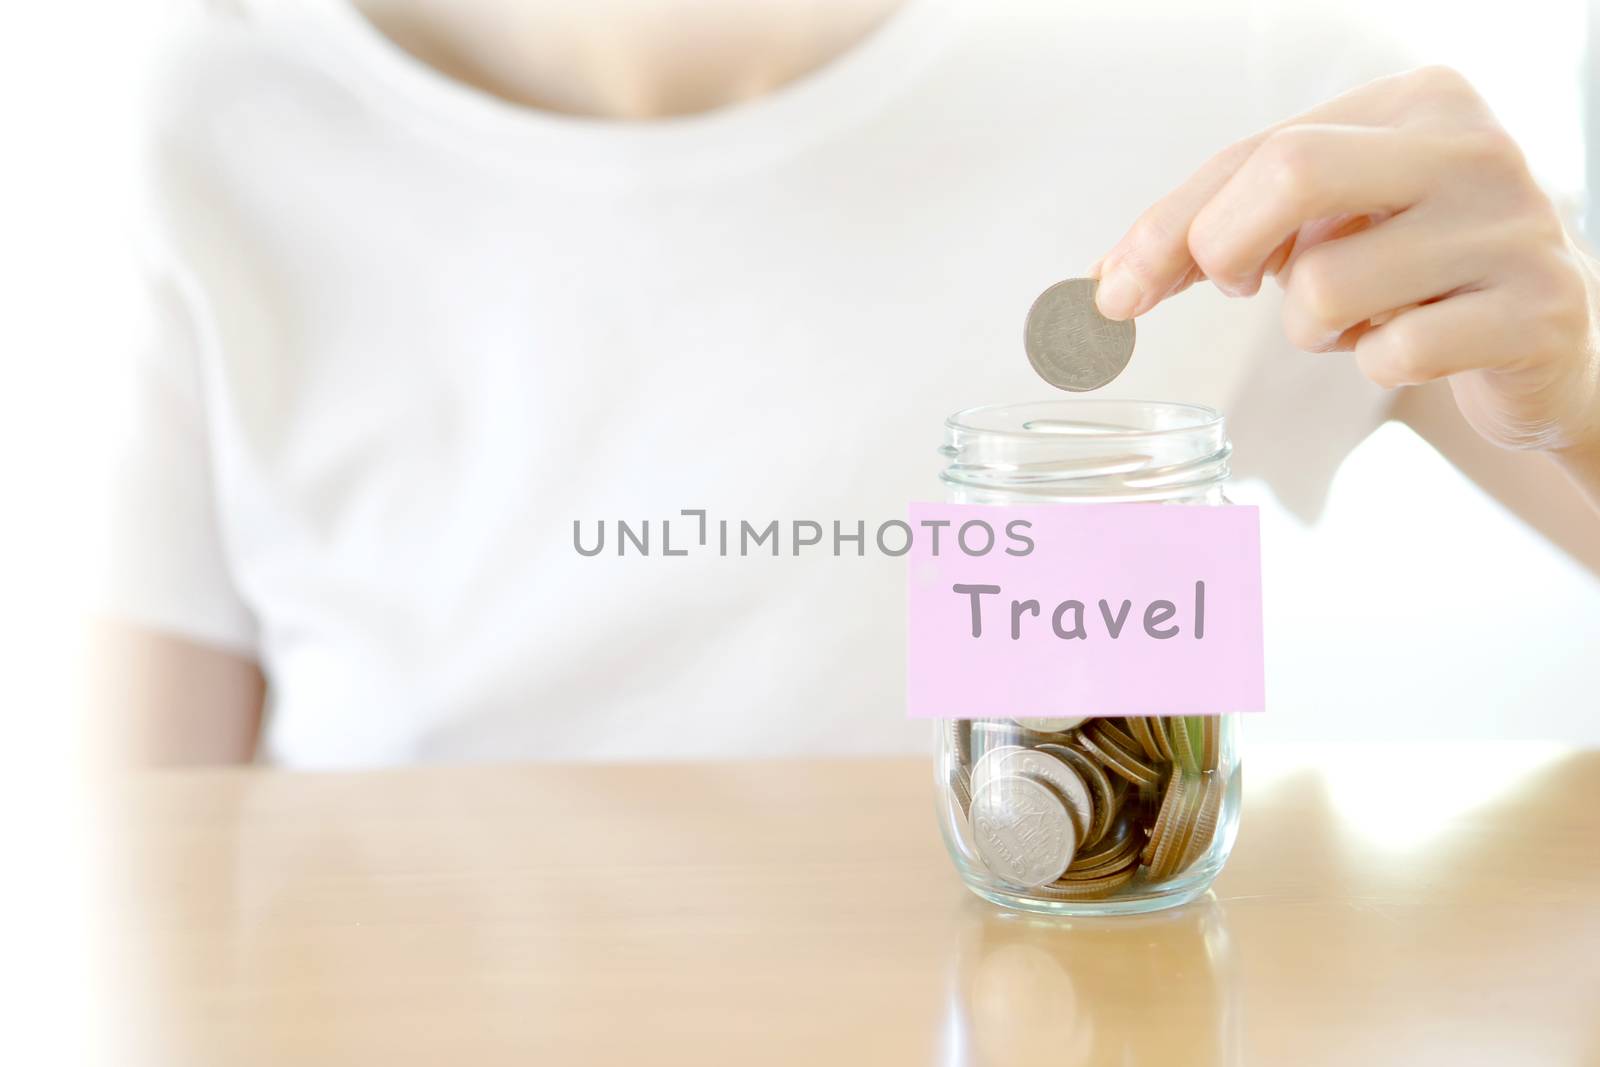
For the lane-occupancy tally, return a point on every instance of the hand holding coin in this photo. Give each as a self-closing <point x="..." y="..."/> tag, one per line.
<point x="1404" y="226"/>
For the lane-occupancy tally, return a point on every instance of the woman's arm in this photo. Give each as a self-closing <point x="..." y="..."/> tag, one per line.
<point x="1527" y="484"/>
<point x="1404" y="227"/>
<point x="1582" y="467"/>
<point x="165" y="700"/>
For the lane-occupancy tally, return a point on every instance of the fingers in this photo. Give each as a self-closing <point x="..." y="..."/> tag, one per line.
<point x="1299" y="175"/>
<point x="1237" y="211"/>
<point x="1153" y="260"/>
<point x="1339" y="284"/>
<point x="1469" y="331"/>
<point x="1405" y="227"/>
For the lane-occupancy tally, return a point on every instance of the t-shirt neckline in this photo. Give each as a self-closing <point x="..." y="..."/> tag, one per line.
<point x="734" y="137"/>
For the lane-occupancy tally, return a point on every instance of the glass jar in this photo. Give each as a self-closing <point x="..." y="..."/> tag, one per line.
<point x="1151" y="803"/>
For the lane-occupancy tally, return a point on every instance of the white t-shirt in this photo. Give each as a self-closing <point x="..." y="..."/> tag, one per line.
<point x="407" y="334"/>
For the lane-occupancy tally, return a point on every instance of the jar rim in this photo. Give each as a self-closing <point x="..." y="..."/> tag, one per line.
<point x="1200" y="418"/>
<point x="1132" y="450"/>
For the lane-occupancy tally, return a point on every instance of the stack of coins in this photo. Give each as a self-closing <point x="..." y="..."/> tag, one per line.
<point x="1075" y="809"/>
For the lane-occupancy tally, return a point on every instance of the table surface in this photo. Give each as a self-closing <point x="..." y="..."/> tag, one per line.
<point x="1384" y="904"/>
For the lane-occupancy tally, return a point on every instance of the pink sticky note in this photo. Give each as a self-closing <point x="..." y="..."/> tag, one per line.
<point x="1179" y="586"/>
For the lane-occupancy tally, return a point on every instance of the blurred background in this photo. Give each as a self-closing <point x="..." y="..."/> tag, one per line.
<point x="1501" y="612"/>
<point x="1491" y="631"/>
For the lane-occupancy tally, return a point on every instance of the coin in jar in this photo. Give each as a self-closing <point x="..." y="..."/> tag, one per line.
<point x="1171" y="845"/>
<point x="1022" y="831"/>
<point x="983" y="770"/>
<point x="1058" y="775"/>
<point x="1087" y="889"/>
<point x="1098" y="740"/>
<point x="1205" y="827"/>
<point x="958" y="735"/>
<point x="1100" y="787"/>
<point x="1048" y="726"/>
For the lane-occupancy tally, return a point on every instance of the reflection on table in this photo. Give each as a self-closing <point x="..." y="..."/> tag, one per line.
<point x="1383" y="905"/>
<point x="1155" y="988"/>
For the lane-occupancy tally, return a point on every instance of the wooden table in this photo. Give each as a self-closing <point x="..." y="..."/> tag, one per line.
<point x="1427" y="904"/>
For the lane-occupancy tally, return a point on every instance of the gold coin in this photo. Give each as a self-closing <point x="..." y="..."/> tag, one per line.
<point x="1158" y="728"/>
<point x="1139" y="727"/>
<point x="1125" y="855"/>
<point x="958" y="735"/>
<point x="1180" y="827"/>
<point x="1147" y="798"/>
<point x="1101" y="743"/>
<point x="1117" y="733"/>
<point x="1119" y="795"/>
<point x="1088" y="890"/>
<point x="1205" y="827"/>
<point x="1127" y="862"/>
<point x="1183" y="752"/>
<point x="1164" y="818"/>
<point x="1114" y="842"/>
<point x="961" y="788"/>
<point x="1210" y="742"/>
<point x="1180" y="857"/>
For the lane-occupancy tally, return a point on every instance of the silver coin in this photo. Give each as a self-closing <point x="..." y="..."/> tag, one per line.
<point x="1100" y="788"/>
<point x="1022" y="831"/>
<point x="1055" y="773"/>
<point x="1070" y="344"/>
<point x="998" y="733"/>
<point x="1049" y="726"/>
<point x="983" y="770"/>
